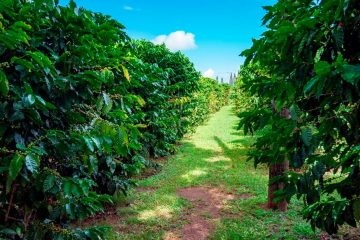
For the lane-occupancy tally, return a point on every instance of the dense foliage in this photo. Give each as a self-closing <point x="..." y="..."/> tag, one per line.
<point x="309" y="105"/>
<point x="82" y="107"/>
<point x="242" y="99"/>
<point x="167" y="82"/>
<point x="209" y="99"/>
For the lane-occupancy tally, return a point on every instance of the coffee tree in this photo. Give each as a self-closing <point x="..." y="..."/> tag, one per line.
<point x="167" y="83"/>
<point x="309" y="105"/>
<point x="81" y="107"/>
<point x="241" y="97"/>
<point x="210" y="97"/>
<point x="66" y="138"/>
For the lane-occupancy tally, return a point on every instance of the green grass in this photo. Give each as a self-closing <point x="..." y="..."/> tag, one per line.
<point x="215" y="155"/>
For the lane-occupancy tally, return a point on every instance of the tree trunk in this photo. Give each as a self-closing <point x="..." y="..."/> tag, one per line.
<point x="277" y="170"/>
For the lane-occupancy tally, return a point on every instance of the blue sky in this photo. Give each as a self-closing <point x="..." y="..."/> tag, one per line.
<point x="211" y="33"/>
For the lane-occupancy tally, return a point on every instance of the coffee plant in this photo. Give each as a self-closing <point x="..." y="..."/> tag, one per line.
<point x="169" y="81"/>
<point x="241" y="98"/>
<point x="82" y="108"/>
<point x="308" y="106"/>
<point x="208" y="99"/>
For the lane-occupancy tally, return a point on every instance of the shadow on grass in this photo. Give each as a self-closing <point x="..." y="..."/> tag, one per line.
<point x="244" y="140"/>
<point x="232" y="153"/>
<point x="196" y="165"/>
<point x="161" y="208"/>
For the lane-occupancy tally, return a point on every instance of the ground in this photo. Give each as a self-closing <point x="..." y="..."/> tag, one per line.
<point x="208" y="190"/>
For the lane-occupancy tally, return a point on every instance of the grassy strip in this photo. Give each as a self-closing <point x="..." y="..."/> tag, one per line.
<point x="213" y="156"/>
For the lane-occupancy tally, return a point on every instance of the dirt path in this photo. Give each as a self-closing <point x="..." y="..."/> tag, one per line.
<point x="187" y="199"/>
<point x="206" y="191"/>
<point x="207" y="205"/>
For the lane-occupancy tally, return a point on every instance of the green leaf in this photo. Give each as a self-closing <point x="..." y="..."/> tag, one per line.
<point x="93" y="166"/>
<point x="32" y="163"/>
<point x="40" y="59"/>
<point x="322" y="68"/>
<point x="351" y="73"/>
<point x="28" y="100"/>
<point x="309" y="85"/>
<point x="8" y="231"/>
<point x="83" y="187"/>
<point x="123" y="136"/>
<point x="89" y="143"/>
<point x="339" y="63"/>
<point x="108" y="76"/>
<point x="318" y="54"/>
<point x="23" y="62"/>
<point x="4" y="84"/>
<point x="49" y="182"/>
<point x="295" y="112"/>
<point x="15" y="165"/>
<point x="99" y="103"/>
<point x="76" y="190"/>
<point x="14" y="169"/>
<point x="108" y="103"/>
<point x="338" y="35"/>
<point x="97" y="142"/>
<point x="67" y="187"/>
<point x="96" y="233"/>
<point x="306" y="135"/>
<point x="40" y="100"/>
<point x="111" y="164"/>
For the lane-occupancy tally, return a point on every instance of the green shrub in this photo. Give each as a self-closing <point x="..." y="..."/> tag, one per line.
<point x="167" y="83"/>
<point x="81" y="106"/>
<point x="209" y="98"/>
<point x="243" y="100"/>
<point x="309" y="104"/>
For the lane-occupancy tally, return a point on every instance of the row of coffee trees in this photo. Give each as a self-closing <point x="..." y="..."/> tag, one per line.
<point x="82" y="108"/>
<point x="303" y="76"/>
<point x="211" y="98"/>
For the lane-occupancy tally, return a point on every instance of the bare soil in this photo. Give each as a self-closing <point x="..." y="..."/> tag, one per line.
<point x="207" y="207"/>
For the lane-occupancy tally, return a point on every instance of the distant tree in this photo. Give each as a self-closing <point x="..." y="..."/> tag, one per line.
<point x="232" y="79"/>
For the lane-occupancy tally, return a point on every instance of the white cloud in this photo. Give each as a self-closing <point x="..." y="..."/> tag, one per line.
<point x="209" y="73"/>
<point x="128" y="8"/>
<point x="178" y="40"/>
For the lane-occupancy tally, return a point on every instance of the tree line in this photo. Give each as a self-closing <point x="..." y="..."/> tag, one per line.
<point x="83" y="107"/>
